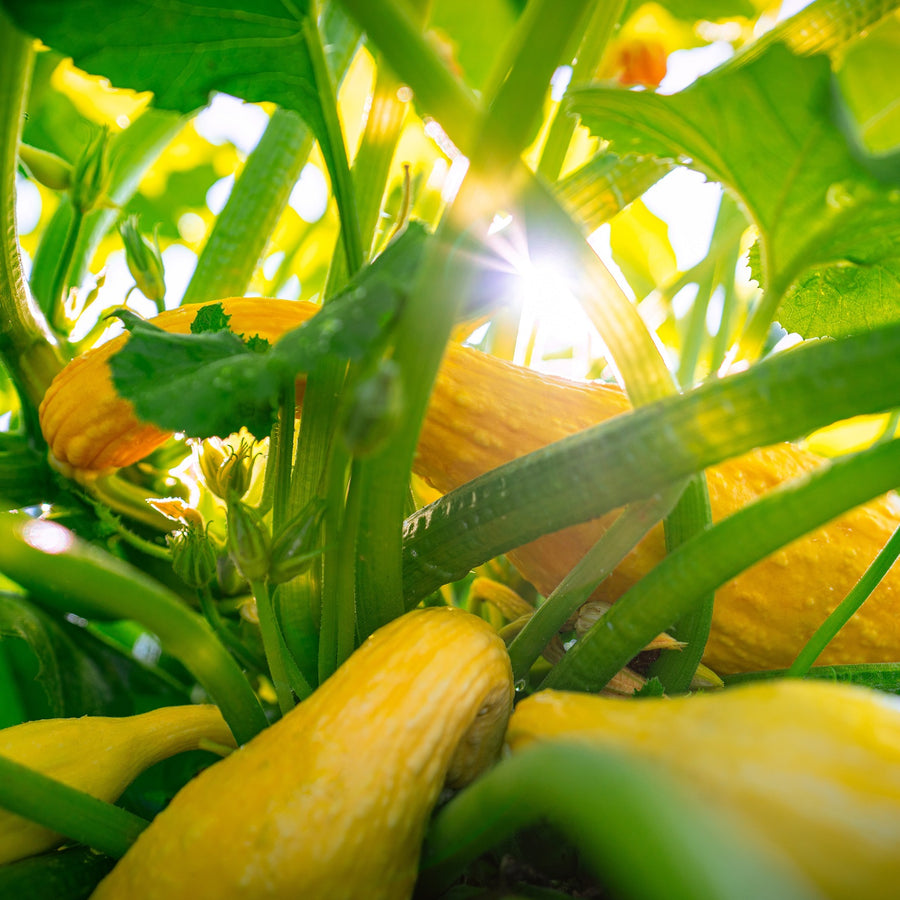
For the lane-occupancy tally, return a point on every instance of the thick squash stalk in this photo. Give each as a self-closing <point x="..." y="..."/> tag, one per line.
<point x="100" y="756"/>
<point x="332" y="800"/>
<point x="485" y="412"/>
<point x="813" y="767"/>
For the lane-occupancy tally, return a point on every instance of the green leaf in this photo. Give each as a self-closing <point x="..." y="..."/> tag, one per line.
<point x="357" y="319"/>
<point x="183" y="52"/>
<point x="653" y="688"/>
<point x="873" y="100"/>
<point x="210" y="319"/>
<point x="691" y="10"/>
<point x="211" y="382"/>
<point x="855" y="283"/>
<point x="258" y="50"/>
<point x="201" y="384"/>
<point x="765" y="130"/>
<point x="72" y="683"/>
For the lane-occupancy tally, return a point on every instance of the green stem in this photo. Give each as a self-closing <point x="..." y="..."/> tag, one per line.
<point x="131" y="153"/>
<point x="540" y="39"/>
<point x="217" y="623"/>
<point x="779" y="399"/>
<point x="259" y="197"/>
<point x="427" y="319"/>
<point x="338" y="628"/>
<point x="373" y="536"/>
<point x="70" y="575"/>
<point x="698" y="567"/>
<point x="333" y="143"/>
<point x="847" y="607"/>
<point x="695" y="334"/>
<point x="12" y="712"/>
<point x="59" y="290"/>
<point x="691" y="516"/>
<point x="67" y="810"/>
<point x="283" y="456"/>
<point x="603" y="20"/>
<point x="28" y="348"/>
<point x="273" y="644"/>
<point x="395" y="29"/>
<point x="623" y="535"/>
<point x="642" y="834"/>
<point x="300" y="599"/>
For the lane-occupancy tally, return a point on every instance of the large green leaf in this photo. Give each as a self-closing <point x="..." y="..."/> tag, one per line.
<point x="184" y="51"/>
<point x="258" y="50"/>
<point x="871" y="111"/>
<point x="765" y="130"/>
<point x="73" y="684"/>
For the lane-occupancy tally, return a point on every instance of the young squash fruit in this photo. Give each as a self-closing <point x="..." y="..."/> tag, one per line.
<point x="485" y="412"/>
<point x="100" y="756"/>
<point x="813" y="766"/>
<point x="332" y="800"/>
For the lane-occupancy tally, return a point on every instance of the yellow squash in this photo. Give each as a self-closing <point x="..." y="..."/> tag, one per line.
<point x="100" y="756"/>
<point x="485" y="412"/>
<point x="332" y="800"/>
<point x="813" y="767"/>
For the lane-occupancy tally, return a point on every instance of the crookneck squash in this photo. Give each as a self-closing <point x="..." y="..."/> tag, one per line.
<point x="485" y="412"/>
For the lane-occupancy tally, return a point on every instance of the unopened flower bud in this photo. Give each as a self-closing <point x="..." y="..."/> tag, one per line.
<point x="46" y="168"/>
<point x="193" y="556"/>
<point x="144" y="260"/>
<point x="249" y="542"/>
<point x="91" y="174"/>
<point x="296" y="545"/>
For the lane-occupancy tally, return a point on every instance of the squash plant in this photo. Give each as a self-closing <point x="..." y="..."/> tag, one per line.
<point x="468" y="151"/>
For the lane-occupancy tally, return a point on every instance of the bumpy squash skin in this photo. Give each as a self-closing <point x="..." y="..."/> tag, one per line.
<point x="332" y="800"/>
<point x="100" y="756"/>
<point x="813" y="766"/>
<point x="485" y="412"/>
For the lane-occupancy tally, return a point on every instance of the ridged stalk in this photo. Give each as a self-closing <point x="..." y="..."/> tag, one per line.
<point x="27" y="346"/>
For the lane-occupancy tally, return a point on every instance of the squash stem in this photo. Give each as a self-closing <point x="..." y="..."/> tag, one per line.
<point x="28" y="348"/>
<point x="646" y="450"/>
<point x="217" y="623"/>
<point x="283" y="439"/>
<point x="622" y="536"/>
<point x="426" y="322"/>
<point x="240" y="233"/>
<point x="681" y="581"/>
<point x="60" y="285"/>
<point x="62" y="571"/>
<point x="276" y="651"/>
<point x="839" y="617"/>
<point x="692" y="515"/>
<point x="67" y="810"/>
<point x="602" y="801"/>
<point x="601" y="24"/>
<point x="333" y="144"/>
